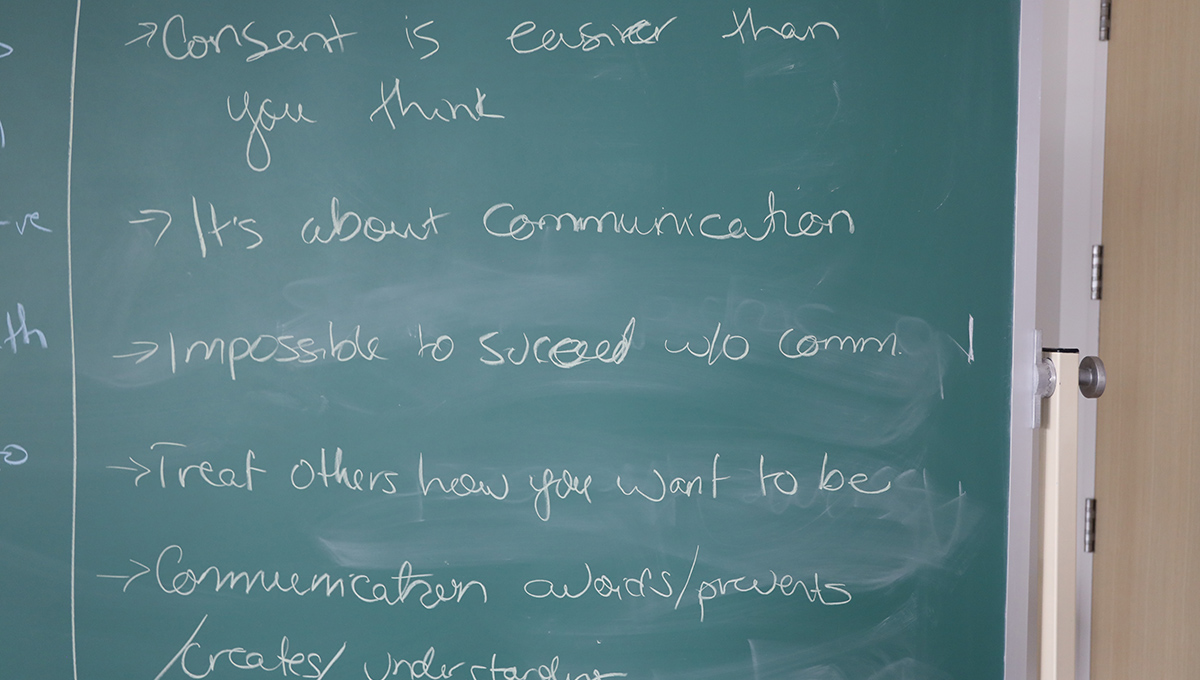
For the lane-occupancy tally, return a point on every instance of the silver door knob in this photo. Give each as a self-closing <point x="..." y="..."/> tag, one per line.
<point x="1092" y="379"/>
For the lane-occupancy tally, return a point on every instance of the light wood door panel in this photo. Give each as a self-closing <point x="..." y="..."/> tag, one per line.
<point x="1146" y="593"/>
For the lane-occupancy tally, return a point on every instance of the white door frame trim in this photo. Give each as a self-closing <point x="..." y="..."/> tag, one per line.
<point x="1021" y="629"/>
<point x="1071" y="180"/>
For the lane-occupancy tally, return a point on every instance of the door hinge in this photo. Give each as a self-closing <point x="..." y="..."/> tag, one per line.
<point x="1105" y="18"/>
<point x="1097" y="271"/>
<point x="1089" y="525"/>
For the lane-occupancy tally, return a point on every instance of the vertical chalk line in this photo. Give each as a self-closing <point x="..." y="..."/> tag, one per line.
<point x="689" y="578"/>
<point x="71" y="314"/>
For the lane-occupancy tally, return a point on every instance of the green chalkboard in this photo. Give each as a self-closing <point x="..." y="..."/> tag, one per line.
<point x="506" y="339"/>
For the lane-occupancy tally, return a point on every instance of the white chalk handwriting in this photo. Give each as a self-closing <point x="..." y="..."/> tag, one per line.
<point x="552" y="484"/>
<point x="22" y="225"/>
<point x="260" y="123"/>
<point x="372" y="228"/>
<point x="200" y="474"/>
<point x="641" y="32"/>
<point x="261" y="349"/>
<point x="647" y="583"/>
<point x="416" y="33"/>
<point x="440" y="349"/>
<point x="781" y="585"/>
<point x="19" y="335"/>
<point x="644" y="583"/>
<point x="210" y="226"/>
<point x="13" y="454"/>
<point x="831" y="479"/>
<point x="304" y="474"/>
<point x="657" y="492"/>
<point x="785" y="32"/>
<point x="404" y="587"/>
<point x="810" y="345"/>
<point x="425" y="667"/>
<point x="500" y="221"/>
<point x="179" y="46"/>
<point x="729" y="346"/>
<point x="469" y="113"/>
<point x="242" y="659"/>
<point x="461" y="486"/>
<point x="563" y="353"/>
<point x="5" y="50"/>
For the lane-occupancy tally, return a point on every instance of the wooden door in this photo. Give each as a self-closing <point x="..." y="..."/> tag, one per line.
<point x="1146" y="606"/>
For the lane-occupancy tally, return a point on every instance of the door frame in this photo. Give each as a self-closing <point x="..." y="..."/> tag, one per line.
<point x="1074" y="64"/>
<point x="1021" y="610"/>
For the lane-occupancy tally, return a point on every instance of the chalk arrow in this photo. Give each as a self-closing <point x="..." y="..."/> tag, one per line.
<point x="151" y="27"/>
<point x="145" y="470"/>
<point x="128" y="579"/>
<point x="151" y="219"/>
<point x="144" y="354"/>
<point x="5" y="50"/>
